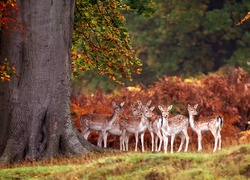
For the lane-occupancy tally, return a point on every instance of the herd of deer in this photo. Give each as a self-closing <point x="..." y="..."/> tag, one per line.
<point x="160" y="128"/>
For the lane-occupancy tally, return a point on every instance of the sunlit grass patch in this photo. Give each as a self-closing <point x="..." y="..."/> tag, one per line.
<point x="34" y="172"/>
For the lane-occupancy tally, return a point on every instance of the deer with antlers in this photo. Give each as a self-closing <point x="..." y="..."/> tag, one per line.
<point x="176" y="125"/>
<point x="211" y="123"/>
<point x="136" y="125"/>
<point x="99" y="122"/>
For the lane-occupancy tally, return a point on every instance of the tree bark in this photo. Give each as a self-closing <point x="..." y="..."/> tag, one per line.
<point x="35" y="106"/>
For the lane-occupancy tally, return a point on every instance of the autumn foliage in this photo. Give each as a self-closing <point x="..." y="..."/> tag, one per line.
<point x="7" y="9"/>
<point x="9" y="22"/>
<point x="227" y="95"/>
<point x="244" y="19"/>
<point x="6" y="71"/>
<point x="101" y="40"/>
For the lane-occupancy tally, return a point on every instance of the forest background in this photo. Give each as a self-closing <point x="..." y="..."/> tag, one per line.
<point x="185" y="39"/>
<point x="191" y="52"/>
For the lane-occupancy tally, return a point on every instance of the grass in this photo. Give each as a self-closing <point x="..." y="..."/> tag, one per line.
<point x="230" y="163"/>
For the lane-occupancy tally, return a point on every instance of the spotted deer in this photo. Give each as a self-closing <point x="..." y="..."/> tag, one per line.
<point x="136" y="125"/>
<point x="154" y="129"/>
<point x="115" y="129"/>
<point x="212" y="123"/>
<point x="99" y="122"/>
<point x="176" y="125"/>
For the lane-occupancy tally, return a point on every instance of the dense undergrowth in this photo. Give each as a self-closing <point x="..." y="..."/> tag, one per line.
<point x="226" y="94"/>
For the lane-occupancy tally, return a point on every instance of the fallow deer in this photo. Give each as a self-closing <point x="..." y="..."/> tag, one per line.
<point x="176" y="125"/>
<point x="100" y="122"/>
<point x="136" y="125"/>
<point x="154" y="129"/>
<point x="212" y="123"/>
<point x="115" y="129"/>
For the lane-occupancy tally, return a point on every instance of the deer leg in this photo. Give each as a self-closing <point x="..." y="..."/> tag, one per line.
<point x="156" y="143"/>
<point x="181" y="135"/>
<point x="215" y="143"/>
<point x="199" y="140"/>
<point x="86" y="134"/>
<point x="84" y="130"/>
<point x="185" y="135"/>
<point x="142" y="142"/>
<point x="126" y="141"/>
<point x="172" y="143"/>
<point x="123" y="139"/>
<point x="100" y="139"/>
<point x="165" y="139"/>
<point x="105" y="138"/>
<point x="215" y="134"/>
<point x="120" y="138"/>
<point x="166" y="145"/>
<point x="152" y="141"/>
<point x="219" y="138"/>
<point x="159" y="136"/>
<point x="136" y="140"/>
<point x="187" y="141"/>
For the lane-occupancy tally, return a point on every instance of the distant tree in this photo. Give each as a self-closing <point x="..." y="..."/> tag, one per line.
<point x="187" y="38"/>
<point x="102" y="45"/>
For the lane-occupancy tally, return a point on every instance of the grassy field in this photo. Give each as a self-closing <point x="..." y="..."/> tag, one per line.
<point x="230" y="163"/>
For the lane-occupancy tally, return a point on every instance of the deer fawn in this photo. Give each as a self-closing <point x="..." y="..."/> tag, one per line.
<point x="212" y="123"/>
<point x="176" y="125"/>
<point x="100" y="122"/>
<point x="136" y="125"/>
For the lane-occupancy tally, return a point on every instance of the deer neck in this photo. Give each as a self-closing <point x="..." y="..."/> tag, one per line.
<point x="144" y="120"/>
<point x="164" y="121"/>
<point x="191" y="121"/>
<point x="114" y="117"/>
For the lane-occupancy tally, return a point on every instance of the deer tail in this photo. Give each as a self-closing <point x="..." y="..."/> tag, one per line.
<point x="220" y="122"/>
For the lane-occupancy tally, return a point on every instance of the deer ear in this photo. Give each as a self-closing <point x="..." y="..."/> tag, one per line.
<point x="152" y="108"/>
<point x="122" y="104"/>
<point x="195" y="106"/>
<point x="148" y="103"/>
<point x="139" y="102"/>
<point x="114" y="104"/>
<point x="159" y="106"/>
<point x="170" y="107"/>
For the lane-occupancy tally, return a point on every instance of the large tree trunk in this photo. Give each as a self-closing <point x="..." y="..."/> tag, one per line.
<point x="34" y="107"/>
